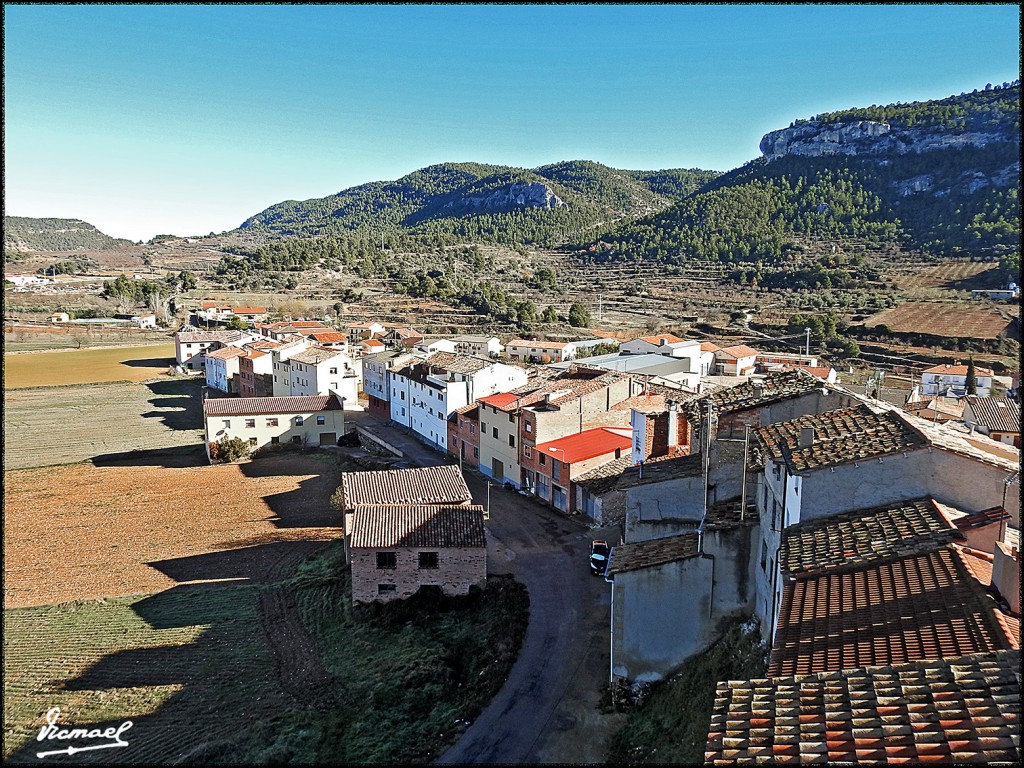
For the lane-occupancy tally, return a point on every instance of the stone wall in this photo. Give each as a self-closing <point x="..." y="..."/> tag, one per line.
<point x="458" y="570"/>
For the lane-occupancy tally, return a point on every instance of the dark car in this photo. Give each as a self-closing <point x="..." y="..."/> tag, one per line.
<point x="599" y="557"/>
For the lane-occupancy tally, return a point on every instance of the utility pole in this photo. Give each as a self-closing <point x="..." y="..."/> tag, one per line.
<point x="600" y="314"/>
<point x="743" y="487"/>
<point x="807" y="345"/>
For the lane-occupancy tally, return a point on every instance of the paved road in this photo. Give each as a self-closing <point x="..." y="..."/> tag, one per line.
<point x="547" y="710"/>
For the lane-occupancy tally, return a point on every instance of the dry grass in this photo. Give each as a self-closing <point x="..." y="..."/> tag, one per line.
<point x="82" y="531"/>
<point x="86" y="366"/>
<point x="950" y="320"/>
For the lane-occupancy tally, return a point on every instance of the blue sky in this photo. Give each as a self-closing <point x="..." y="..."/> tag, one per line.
<point x="186" y="119"/>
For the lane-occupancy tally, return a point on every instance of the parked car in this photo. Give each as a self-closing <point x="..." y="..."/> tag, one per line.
<point x="599" y="557"/>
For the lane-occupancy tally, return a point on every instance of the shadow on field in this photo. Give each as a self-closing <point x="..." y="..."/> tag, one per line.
<point x="172" y="458"/>
<point x="258" y="564"/>
<point x="150" y="362"/>
<point x="178" y="403"/>
<point x="307" y="506"/>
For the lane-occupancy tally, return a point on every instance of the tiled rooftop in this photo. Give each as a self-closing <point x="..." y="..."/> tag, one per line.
<point x="380" y="527"/>
<point x="840" y="436"/>
<point x="226" y="353"/>
<point x="924" y="606"/>
<point x="772" y="388"/>
<point x="316" y="355"/>
<point x="257" y="406"/>
<point x="852" y="539"/>
<point x="946" y="369"/>
<point x="738" y="351"/>
<point x="420" y="485"/>
<point x="588" y="444"/>
<point x="997" y="414"/>
<point x="944" y="711"/>
<point x="603" y="478"/>
<point x="727" y="514"/>
<point x="536" y="344"/>
<point x="223" y="336"/>
<point x="456" y="363"/>
<point x="644" y="554"/>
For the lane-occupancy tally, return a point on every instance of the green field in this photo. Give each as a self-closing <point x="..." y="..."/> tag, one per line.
<point x="196" y="671"/>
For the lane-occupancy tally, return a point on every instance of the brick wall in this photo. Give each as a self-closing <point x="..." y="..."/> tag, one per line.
<point x="379" y="407"/>
<point x="458" y="569"/>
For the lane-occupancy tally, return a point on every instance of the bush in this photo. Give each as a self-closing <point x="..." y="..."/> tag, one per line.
<point x="229" y="449"/>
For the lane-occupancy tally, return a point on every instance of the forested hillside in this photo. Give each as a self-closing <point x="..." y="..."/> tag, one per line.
<point x="25" y="235"/>
<point x="498" y="204"/>
<point x="962" y="200"/>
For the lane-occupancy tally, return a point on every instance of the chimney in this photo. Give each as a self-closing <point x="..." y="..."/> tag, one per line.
<point x="673" y="427"/>
<point x="662" y="342"/>
<point x="806" y="437"/>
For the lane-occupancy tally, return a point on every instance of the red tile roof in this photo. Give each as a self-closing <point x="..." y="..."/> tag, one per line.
<point x="945" y="711"/>
<point x="257" y="406"/>
<point x="327" y="337"/>
<point x="500" y="400"/>
<point x="443" y="527"/>
<point x="740" y="350"/>
<point x="226" y="353"/>
<point x="418" y="486"/>
<point x="957" y="370"/>
<point x="588" y="444"/>
<point x="656" y="340"/>
<point x="372" y="343"/>
<point x="709" y="346"/>
<point x="925" y="606"/>
<point x="250" y="310"/>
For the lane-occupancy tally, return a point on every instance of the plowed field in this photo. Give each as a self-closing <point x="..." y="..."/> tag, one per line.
<point x="964" y="321"/>
<point x="82" y="531"/>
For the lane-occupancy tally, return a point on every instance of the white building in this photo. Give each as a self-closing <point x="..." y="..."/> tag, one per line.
<point x="424" y="393"/>
<point x="320" y="371"/>
<point x="662" y="344"/>
<point x="190" y="347"/>
<point x="222" y="368"/>
<point x="525" y="350"/>
<point x="484" y="346"/>
<point x="280" y="367"/>
<point x="147" y="320"/>
<point x="430" y="346"/>
<point x="376" y="384"/>
<point x="951" y="380"/>
<point x="737" y="360"/>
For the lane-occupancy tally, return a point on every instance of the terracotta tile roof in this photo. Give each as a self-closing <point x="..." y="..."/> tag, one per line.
<point x="644" y="554"/>
<point x="946" y="711"/>
<point x="726" y="514"/>
<point x="773" y="388"/>
<point x="372" y="343"/>
<point x="977" y="563"/>
<point x="417" y="486"/>
<point x="709" y="346"/>
<point x="925" y="606"/>
<point x="852" y="539"/>
<point x="250" y="310"/>
<point x="264" y="344"/>
<point x="456" y="363"/>
<point x="966" y="521"/>
<point x="996" y="414"/>
<point x="443" y="527"/>
<point x="603" y="478"/>
<point x="656" y="340"/>
<point x="840" y="436"/>
<point x="738" y="351"/>
<point x="500" y="400"/>
<point x="226" y="353"/>
<point x="316" y="355"/>
<point x="957" y="439"/>
<point x="957" y="370"/>
<point x="821" y="371"/>
<point x="588" y="444"/>
<point x="948" y="406"/>
<point x="469" y="411"/>
<point x="252" y="354"/>
<point x="257" y="406"/>
<point x="225" y="337"/>
<point x="327" y="337"/>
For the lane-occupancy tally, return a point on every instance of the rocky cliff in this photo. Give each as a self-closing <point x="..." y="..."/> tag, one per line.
<point x="813" y="138"/>
<point x="518" y="195"/>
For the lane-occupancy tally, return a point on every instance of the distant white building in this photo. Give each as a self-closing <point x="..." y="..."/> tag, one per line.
<point x="147" y="320"/>
<point x="222" y="369"/>
<point x="280" y="367"/>
<point x="191" y="346"/>
<point x="526" y="350"/>
<point x="485" y="346"/>
<point x="952" y="380"/>
<point x="22" y="281"/>
<point x="320" y="371"/>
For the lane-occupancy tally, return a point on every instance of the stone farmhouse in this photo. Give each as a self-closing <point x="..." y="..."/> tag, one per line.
<point x="396" y="550"/>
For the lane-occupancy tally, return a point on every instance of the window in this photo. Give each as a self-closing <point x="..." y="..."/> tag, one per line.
<point x="483" y="427"/>
<point x="271" y="422"/>
<point x="511" y="420"/>
<point x="321" y="420"/>
<point x="529" y="427"/>
<point x="275" y="440"/>
<point x="556" y="470"/>
<point x="764" y="555"/>
<point x="428" y="560"/>
<point x="252" y="441"/>
<point x="250" y="423"/>
<point x="543" y="459"/>
<point x="402" y="394"/>
<point x="527" y="451"/>
<point x="333" y="370"/>
<point x="296" y="439"/>
<point x="511" y="441"/>
<point x="476" y="453"/>
<point x="298" y="421"/>
<point x="386" y="589"/>
<point x="387" y="560"/>
<point x="775" y="511"/>
<point x="472" y="429"/>
<point x="494" y="432"/>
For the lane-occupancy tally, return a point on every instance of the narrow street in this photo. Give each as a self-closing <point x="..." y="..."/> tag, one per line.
<point x="547" y="711"/>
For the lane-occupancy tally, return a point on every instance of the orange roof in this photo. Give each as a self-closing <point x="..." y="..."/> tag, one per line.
<point x="587" y="445"/>
<point x="213" y="305"/>
<point x="668" y="337"/>
<point x="740" y="350"/>
<point x="957" y="370"/>
<point x="536" y="343"/>
<point x="709" y="346"/>
<point x="327" y="337"/>
<point x="250" y="310"/>
<point x="499" y="400"/>
<point x="373" y="343"/>
<point x="226" y="353"/>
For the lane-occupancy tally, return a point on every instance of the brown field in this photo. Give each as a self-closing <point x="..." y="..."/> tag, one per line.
<point x="952" y="275"/>
<point x="942" y="319"/>
<point x="60" y="425"/>
<point x="81" y="531"/>
<point x="86" y="366"/>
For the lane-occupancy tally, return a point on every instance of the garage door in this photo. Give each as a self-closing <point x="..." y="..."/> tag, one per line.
<point x="328" y="438"/>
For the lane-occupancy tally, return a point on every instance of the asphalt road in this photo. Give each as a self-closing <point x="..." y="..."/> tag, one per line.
<point x="547" y="710"/>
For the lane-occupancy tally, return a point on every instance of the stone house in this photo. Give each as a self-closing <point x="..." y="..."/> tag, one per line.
<point x="396" y="550"/>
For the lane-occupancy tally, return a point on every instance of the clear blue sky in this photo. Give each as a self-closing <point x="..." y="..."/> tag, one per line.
<point x="186" y="119"/>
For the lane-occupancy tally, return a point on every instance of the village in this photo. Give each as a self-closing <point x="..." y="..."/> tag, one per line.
<point x="862" y="536"/>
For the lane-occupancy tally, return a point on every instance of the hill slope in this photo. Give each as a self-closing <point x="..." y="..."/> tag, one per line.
<point x="26" y="235"/>
<point x="487" y="202"/>
<point x="940" y="176"/>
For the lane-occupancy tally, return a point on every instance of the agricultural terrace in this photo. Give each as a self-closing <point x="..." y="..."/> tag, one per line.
<point x="950" y="320"/>
<point x="238" y="673"/>
<point x="86" y="366"/>
<point x="84" y="531"/>
<point x="102" y="422"/>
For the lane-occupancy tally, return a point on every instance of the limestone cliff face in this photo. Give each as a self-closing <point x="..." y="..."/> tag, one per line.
<point x="863" y="137"/>
<point x="518" y="195"/>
